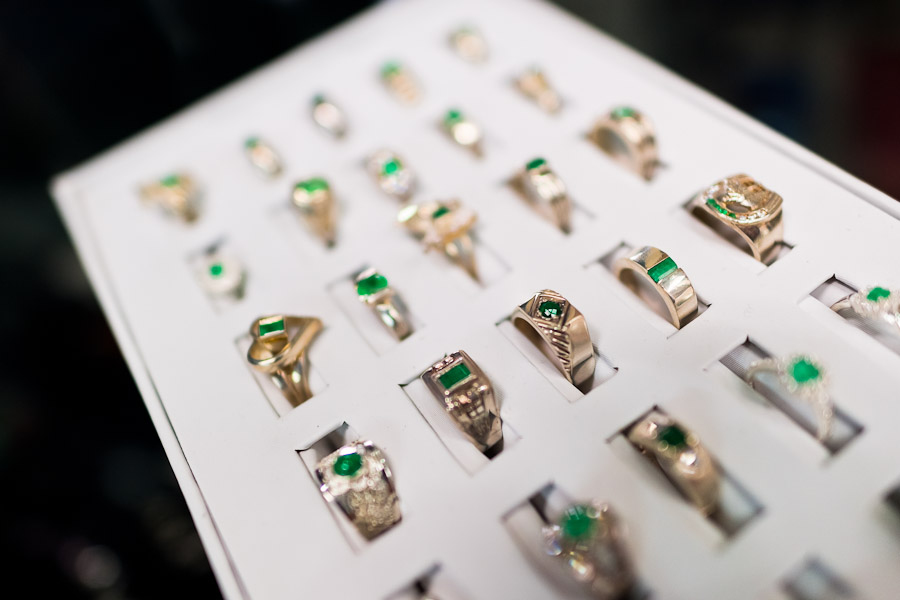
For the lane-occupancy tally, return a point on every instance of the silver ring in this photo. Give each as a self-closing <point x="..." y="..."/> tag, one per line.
<point x="222" y="276"/>
<point x="373" y="289"/>
<point x="803" y="378"/>
<point x="877" y="306"/>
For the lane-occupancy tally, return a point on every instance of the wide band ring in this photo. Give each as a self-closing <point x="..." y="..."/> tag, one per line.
<point x="468" y="397"/>
<point x="279" y="349"/>
<point x="564" y="331"/>
<point x="372" y="289"/>
<point x="443" y="226"/>
<point x="876" y="306"/>
<point x="748" y="209"/>
<point x="588" y="546"/>
<point x="627" y="136"/>
<point x="652" y="265"/>
<point x="547" y="192"/>
<point x="358" y="478"/>
<point x="681" y="456"/>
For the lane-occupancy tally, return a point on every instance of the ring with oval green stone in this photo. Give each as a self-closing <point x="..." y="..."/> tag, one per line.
<point x="392" y="175"/>
<point x="746" y="208"/>
<point x="563" y="333"/>
<point x="315" y="201"/>
<point x="626" y="135"/>
<point x="805" y="379"/>
<point x="681" y="456"/>
<point x="176" y="194"/>
<point x="546" y="191"/>
<point x="877" y="306"/>
<point x="222" y="275"/>
<point x="279" y="348"/>
<point x="650" y="266"/>
<point x="358" y="478"/>
<point x="587" y="545"/>
<point x="443" y="226"/>
<point x="372" y="289"/>
<point x="467" y="395"/>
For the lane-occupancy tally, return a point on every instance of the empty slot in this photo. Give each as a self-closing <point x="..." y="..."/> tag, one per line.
<point x="219" y="273"/>
<point x="270" y="390"/>
<point x="432" y="410"/>
<point x="287" y="218"/>
<point x="364" y="317"/>
<point x="434" y="583"/>
<point x="834" y="290"/>
<point x="843" y="427"/>
<point x="579" y="216"/>
<point x="736" y="506"/>
<point x="815" y="581"/>
<point x="782" y="248"/>
<point x="532" y="346"/>
<point x="632" y="285"/>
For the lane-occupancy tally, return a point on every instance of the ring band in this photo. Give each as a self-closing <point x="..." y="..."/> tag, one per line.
<point x="392" y="175"/>
<point x="748" y="209"/>
<point x="805" y="379"/>
<point x="468" y="397"/>
<point x="563" y="329"/>
<point x="444" y="226"/>
<point x="547" y="192"/>
<point x="627" y="136"/>
<point x="681" y="456"/>
<point x="373" y="289"/>
<point x="279" y="349"/>
<point x="877" y="306"/>
<point x="670" y="282"/>
<point x="177" y="195"/>
<point x="314" y="200"/>
<point x="357" y="477"/>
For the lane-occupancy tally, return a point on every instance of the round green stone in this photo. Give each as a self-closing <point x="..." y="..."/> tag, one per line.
<point x="452" y="117"/>
<point x="440" y="212"/>
<point x="803" y="371"/>
<point x="371" y="284"/>
<point x="318" y="99"/>
<point x="535" y="163"/>
<point x="216" y="269"/>
<point x="576" y="523"/>
<point x="877" y="294"/>
<point x="391" y="166"/>
<point x="390" y="68"/>
<point x="549" y="309"/>
<point x="622" y="112"/>
<point x="673" y="436"/>
<point x="348" y="465"/>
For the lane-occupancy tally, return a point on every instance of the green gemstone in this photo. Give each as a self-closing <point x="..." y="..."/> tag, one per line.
<point x="673" y="435"/>
<point x="371" y="284"/>
<point x="391" y="166"/>
<point x="549" y="309"/>
<point x="251" y="142"/>
<point x="878" y="293"/>
<point x="576" y="523"/>
<point x="454" y="376"/>
<point x="440" y="212"/>
<point x="452" y="117"/>
<point x="216" y="269"/>
<point x="170" y="180"/>
<point x="711" y="202"/>
<point x="390" y="68"/>
<point x="622" y="112"/>
<point x="318" y="99"/>
<point x="661" y="269"/>
<point x="348" y="465"/>
<point x="803" y="371"/>
<point x="535" y="163"/>
<point x="266" y="328"/>
<point x="313" y="185"/>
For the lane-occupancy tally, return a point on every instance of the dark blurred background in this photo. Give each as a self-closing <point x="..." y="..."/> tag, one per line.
<point x="91" y="508"/>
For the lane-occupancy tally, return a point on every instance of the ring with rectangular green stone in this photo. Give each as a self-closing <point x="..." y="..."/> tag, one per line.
<point x="372" y="289"/>
<point x="682" y="458"/>
<point x="626" y="135"/>
<point x="649" y="266"/>
<point x="443" y="225"/>
<point x="876" y="306"/>
<point x="315" y="201"/>
<point x="468" y="397"/>
<point x="547" y="192"/>
<point x="279" y="349"/>
<point x="177" y="195"/>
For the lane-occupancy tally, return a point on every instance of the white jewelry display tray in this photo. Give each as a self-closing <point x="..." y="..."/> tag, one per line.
<point x="264" y="523"/>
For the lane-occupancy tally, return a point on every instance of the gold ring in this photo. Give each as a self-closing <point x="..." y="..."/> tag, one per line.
<point x="627" y="136"/>
<point x="279" y="349"/>
<point x="314" y="200"/>
<point x="373" y="289"/>
<point x="176" y="195"/>
<point x="652" y="265"/>
<point x="443" y="226"/>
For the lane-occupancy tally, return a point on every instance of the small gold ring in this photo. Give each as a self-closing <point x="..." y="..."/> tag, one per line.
<point x="279" y="349"/>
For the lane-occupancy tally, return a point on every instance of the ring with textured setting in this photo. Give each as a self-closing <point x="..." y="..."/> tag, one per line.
<point x="804" y="378"/>
<point x="657" y="268"/>
<point x="372" y="289"/>
<point x="358" y="478"/>
<point x="468" y="397"/>
<point x="748" y="209"/>
<point x="563" y="332"/>
<point x="393" y="177"/>
<point x="314" y="200"/>
<point x="588" y="545"/>
<point x="877" y="306"/>
<point x="400" y="82"/>
<point x="177" y="195"/>
<point x="547" y="192"/>
<point x="627" y="136"/>
<point x="682" y="458"/>
<point x="443" y="226"/>
<point x="279" y="349"/>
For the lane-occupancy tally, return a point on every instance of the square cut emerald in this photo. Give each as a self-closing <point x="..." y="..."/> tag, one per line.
<point x="271" y="326"/>
<point x="170" y="180"/>
<point x="453" y="376"/>
<point x="711" y="202"/>
<point x="622" y="112"/>
<point x="661" y="269"/>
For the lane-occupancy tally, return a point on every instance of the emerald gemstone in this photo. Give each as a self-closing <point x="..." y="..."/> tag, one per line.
<point x="576" y="523"/>
<point x="452" y="117"/>
<point x="711" y="202"/>
<point x="170" y="180"/>
<point x="371" y="284"/>
<point x="803" y="371"/>
<point x="216" y="269"/>
<point x="622" y="112"/>
<point x="391" y="166"/>
<point x="454" y="376"/>
<point x="878" y="293"/>
<point x="267" y="327"/>
<point x="348" y="465"/>
<point x="252" y="142"/>
<point x="440" y="212"/>
<point x="535" y="163"/>
<point x="673" y="435"/>
<point x="549" y="309"/>
<point x="318" y="99"/>
<point x="661" y="269"/>
<point x="390" y="68"/>
<point x="313" y="185"/>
